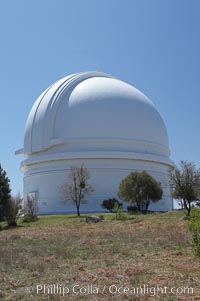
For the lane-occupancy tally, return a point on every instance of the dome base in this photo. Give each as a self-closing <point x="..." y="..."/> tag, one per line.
<point x="45" y="180"/>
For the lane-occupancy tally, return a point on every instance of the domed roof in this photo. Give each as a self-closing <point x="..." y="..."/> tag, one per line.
<point x="94" y="108"/>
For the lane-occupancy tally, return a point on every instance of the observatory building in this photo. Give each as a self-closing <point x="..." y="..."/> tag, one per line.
<point x="95" y="119"/>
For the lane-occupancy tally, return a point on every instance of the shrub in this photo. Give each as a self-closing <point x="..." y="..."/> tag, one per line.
<point x="110" y="204"/>
<point x="12" y="210"/>
<point x="119" y="212"/>
<point x="198" y="204"/>
<point x="29" y="218"/>
<point x="194" y="227"/>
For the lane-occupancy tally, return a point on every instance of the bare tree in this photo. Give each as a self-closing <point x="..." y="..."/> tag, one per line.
<point x="77" y="187"/>
<point x="31" y="207"/>
<point x="185" y="184"/>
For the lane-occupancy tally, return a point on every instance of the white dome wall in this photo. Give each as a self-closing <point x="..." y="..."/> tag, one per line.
<point x="105" y="178"/>
<point x="93" y="118"/>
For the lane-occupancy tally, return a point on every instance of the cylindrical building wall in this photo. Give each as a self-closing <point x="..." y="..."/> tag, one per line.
<point x="46" y="179"/>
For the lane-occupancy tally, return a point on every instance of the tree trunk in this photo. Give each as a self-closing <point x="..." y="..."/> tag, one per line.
<point x="138" y="205"/>
<point x="188" y="209"/>
<point x="147" y="205"/>
<point x="146" y="208"/>
<point x="78" y="212"/>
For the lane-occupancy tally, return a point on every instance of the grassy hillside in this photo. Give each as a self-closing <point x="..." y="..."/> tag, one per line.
<point x="104" y="261"/>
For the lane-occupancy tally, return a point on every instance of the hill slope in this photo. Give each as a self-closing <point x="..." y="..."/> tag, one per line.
<point x="104" y="261"/>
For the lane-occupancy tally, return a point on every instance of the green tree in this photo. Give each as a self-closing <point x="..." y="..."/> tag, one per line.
<point x="77" y="187"/>
<point x="5" y="198"/>
<point x="5" y="193"/>
<point x="185" y="184"/>
<point x="12" y="210"/>
<point x="140" y="189"/>
<point x="110" y="204"/>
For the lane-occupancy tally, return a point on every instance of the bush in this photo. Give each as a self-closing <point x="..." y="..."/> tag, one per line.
<point x="194" y="227"/>
<point x="110" y="204"/>
<point x="198" y="204"/>
<point x="119" y="213"/>
<point x="29" y="218"/>
<point x="12" y="210"/>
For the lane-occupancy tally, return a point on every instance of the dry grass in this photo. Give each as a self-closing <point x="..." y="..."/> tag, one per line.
<point x="152" y="250"/>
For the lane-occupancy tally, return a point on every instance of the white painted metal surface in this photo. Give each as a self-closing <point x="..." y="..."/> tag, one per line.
<point x="93" y="118"/>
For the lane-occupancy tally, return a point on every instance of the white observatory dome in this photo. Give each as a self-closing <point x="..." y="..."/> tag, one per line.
<point x="93" y="118"/>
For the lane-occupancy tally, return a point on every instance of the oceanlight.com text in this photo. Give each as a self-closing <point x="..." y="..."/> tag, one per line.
<point x="77" y="289"/>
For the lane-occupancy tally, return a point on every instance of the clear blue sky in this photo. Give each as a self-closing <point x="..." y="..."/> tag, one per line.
<point x="151" y="44"/>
